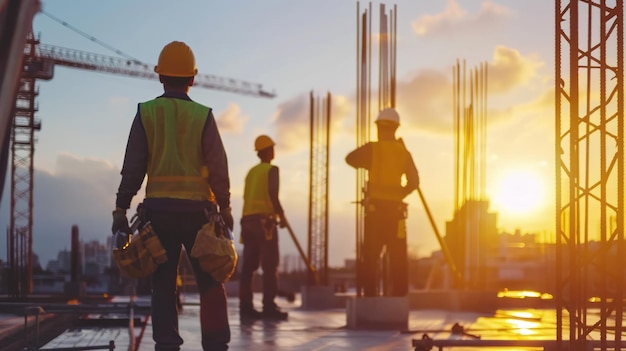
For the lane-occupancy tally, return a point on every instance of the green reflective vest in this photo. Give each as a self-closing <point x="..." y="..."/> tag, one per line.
<point x="256" y="198"/>
<point x="176" y="167"/>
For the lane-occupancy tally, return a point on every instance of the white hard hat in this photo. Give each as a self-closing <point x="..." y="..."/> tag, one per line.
<point x="388" y="114"/>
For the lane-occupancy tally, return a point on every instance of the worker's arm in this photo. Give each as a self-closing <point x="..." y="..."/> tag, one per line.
<point x="412" y="176"/>
<point x="135" y="164"/>
<point x="216" y="161"/>
<point x="272" y="187"/>
<point x="361" y="157"/>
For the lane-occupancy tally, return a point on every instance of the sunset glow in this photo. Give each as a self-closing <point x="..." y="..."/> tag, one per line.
<point x="520" y="193"/>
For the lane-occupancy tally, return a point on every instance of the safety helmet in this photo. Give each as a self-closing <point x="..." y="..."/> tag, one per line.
<point x="141" y="256"/>
<point x="388" y="115"/>
<point x="263" y="142"/>
<point x="176" y="60"/>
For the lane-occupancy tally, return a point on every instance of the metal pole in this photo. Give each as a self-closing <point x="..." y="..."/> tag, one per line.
<point x="305" y="259"/>
<point x="444" y="247"/>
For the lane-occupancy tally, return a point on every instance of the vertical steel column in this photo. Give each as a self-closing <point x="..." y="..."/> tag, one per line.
<point x="589" y="112"/>
<point x="386" y="98"/>
<point x="318" y="187"/>
<point x="363" y="96"/>
<point x="471" y="235"/>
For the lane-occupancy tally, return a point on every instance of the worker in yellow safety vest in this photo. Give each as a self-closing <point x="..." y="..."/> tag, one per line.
<point x="175" y="142"/>
<point x="387" y="161"/>
<point x="262" y="213"/>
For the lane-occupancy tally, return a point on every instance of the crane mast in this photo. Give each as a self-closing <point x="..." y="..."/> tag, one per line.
<point x="38" y="63"/>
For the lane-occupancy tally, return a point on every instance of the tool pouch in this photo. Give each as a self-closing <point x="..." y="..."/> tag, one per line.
<point x="141" y="256"/>
<point x="269" y="226"/>
<point x="141" y="253"/>
<point x="214" y="248"/>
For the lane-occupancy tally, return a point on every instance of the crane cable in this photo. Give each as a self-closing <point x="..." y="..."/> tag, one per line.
<point x="92" y="38"/>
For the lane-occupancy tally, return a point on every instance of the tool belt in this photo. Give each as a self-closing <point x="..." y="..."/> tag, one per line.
<point x="393" y="209"/>
<point x="267" y="223"/>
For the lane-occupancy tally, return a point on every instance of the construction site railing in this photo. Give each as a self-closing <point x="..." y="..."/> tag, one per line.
<point x="110" y="346"/>
<point x="37" y="311"/>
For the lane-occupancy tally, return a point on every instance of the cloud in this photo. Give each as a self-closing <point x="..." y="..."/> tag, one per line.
<point x="424" y="100"/>
<point x="231" y="120"/>
<point x="510" y="69"/>
<point x="539" y="110"/>
<point x="543" y="102"/>
<point x="293" y="121"/>
<point x="455" y="20"/>
<point x="78" y="192"/>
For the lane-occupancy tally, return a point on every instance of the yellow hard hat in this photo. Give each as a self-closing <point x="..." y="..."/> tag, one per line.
<point x="388" y="115"/>
<point x="262" y="142"/>
<point x="176" y="60"/>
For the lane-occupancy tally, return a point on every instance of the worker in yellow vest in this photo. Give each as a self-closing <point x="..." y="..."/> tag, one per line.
<point x="262" y="213"/>
<point x="175" y="142"/>
<point x="387" y="162"/>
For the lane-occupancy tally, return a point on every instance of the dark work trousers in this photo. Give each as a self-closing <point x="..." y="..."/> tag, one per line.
<point x="260" y="248"/>
<point x="381" y="231"/>
<point x="174" y="230"/>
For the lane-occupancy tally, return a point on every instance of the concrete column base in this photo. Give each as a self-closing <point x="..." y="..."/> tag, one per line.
<point x="320" y="297"/>
<point x="377" y="312"/>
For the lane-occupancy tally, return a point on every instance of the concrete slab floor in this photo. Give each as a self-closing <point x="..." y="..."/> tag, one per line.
<point x="326" y="329"/>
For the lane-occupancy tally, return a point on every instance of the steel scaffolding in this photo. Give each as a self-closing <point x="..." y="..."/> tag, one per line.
<point x="589" y="155"/>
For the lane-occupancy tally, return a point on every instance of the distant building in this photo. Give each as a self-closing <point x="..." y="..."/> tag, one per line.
<point x="96" y="258"/>
<point x="520" y="263"/>
<point x="94" y="263"/>
<point x="63" y="263"/>
<point x="471" y="237"/>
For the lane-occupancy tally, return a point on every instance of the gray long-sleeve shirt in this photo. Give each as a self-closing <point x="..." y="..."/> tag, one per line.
<point x="136" y="165"/>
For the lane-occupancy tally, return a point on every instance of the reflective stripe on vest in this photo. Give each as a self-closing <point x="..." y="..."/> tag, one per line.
<point x="389" y="159"/>
<point x="175" y="164"/>
<point x="256" y="198"/>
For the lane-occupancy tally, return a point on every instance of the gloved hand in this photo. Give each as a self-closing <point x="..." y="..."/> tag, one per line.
<point x="120" y="222"/>
<point x="282" y="220"/>
<point x="227" y="216"/>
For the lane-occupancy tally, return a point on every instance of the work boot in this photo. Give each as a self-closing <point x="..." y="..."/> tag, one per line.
<point x="249" y="313"/>
<point x="274" y="313"/>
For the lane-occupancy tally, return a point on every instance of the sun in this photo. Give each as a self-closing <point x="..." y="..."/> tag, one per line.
<point x="520" y="192"/>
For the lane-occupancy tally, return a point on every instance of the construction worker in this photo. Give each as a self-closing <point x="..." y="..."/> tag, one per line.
<point x="262" y="213"/>
<point x="387" y="161"/>
<point x="175" y="142"/>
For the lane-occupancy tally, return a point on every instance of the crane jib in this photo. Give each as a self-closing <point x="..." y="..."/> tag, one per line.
<point x="134" y="68"/>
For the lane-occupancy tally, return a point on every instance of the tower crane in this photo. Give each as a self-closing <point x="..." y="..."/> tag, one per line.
<point x="38" y="63"/>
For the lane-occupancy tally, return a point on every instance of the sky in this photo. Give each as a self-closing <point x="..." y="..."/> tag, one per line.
<point x="294" y="48"/>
